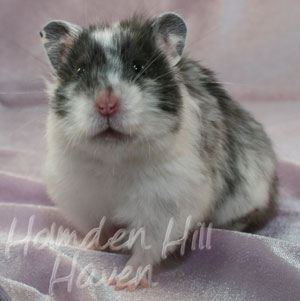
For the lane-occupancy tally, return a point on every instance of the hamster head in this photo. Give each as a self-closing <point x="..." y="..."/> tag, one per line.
<point x="116" y="84"/>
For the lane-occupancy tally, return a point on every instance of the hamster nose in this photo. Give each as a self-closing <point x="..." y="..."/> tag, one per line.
<point x="107" y="104"/>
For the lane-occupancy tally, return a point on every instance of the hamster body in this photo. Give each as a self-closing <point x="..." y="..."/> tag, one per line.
<point x="139" y="133"/>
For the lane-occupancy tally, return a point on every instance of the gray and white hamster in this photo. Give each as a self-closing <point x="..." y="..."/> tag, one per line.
<point x="141" y="134"/>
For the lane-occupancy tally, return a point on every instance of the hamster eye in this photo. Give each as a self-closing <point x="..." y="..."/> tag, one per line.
<point x="137" y="67"/>
<point x="80" y="71"/>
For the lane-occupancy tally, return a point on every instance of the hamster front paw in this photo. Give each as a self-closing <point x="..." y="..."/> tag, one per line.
<point x="135" y="273"/>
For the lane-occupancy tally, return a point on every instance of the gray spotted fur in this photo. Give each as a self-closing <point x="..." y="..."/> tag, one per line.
<point x="225" y="140"/>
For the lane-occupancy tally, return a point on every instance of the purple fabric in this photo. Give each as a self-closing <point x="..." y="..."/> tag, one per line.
<point x="254" y="48"/>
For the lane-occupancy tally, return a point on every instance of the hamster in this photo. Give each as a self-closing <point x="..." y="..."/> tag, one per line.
<point x="140" y="133"/>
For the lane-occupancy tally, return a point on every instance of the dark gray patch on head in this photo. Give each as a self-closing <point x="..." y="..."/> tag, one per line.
<point x="86" y="53"/>
<point x="87" y="56"/>
<point x="137" y="44"/>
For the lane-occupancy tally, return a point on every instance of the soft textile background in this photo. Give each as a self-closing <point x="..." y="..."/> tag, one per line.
<point x="254" y="48"/>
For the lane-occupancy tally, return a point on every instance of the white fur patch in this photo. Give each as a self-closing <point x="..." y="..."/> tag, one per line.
<point x="104" y="37"/>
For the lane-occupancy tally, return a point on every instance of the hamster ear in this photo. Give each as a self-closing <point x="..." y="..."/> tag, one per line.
<point x="170" y="30"/>
<point x="58" y="38"/>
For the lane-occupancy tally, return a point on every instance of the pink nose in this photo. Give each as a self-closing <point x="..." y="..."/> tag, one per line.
<point x="107" y="104"/>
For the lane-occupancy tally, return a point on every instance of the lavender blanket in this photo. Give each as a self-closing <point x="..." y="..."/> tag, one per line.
<point x="254" y="47"/>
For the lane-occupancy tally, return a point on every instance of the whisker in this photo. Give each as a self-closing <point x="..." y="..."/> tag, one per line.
<point x="174" y="71"/>
<point x="30" y="53"/>
<point x="20" y="92"/>
<point x="38" y="120"/>
<point x="196" y="81"/>
<point x="206" y="35"/>
<point x="228" y="83"/>
<point x="146" y="68"/>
